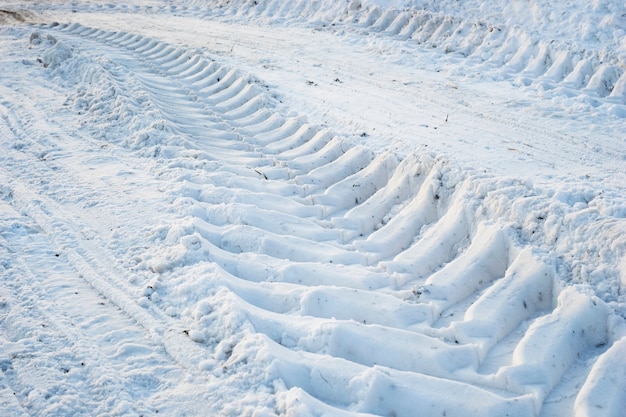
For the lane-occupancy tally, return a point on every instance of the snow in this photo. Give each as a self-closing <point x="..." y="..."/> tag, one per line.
<point x="313" y="208"/>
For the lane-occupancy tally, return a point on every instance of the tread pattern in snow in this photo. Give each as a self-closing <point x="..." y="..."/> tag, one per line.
<point x="392" y="278"/>
<point x="345" y="272"/>
<point x="493" y="51"/>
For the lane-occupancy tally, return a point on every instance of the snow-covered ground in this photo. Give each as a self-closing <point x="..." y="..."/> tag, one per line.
<point x="313" y="208"/>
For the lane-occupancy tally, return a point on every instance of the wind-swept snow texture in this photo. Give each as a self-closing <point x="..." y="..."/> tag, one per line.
<point x="313" y="208"/>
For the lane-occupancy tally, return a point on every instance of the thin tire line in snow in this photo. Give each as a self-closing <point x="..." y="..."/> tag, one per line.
<point x="174" y="340"/>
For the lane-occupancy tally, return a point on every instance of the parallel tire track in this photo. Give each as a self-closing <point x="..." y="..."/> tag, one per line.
<point x="427" y="287"/>
<point x="44" y="321"/>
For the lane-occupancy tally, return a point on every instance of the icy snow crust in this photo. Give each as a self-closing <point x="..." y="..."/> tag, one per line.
<point x="202" y="215"/>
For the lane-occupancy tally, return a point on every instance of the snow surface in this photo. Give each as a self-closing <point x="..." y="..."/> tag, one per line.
<point x="313" y="208"/>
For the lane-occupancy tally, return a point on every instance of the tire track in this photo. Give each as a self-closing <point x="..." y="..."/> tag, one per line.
<point x="84" y="248"/>
<point x="495" y="50"/>
<point x="109" y="345"/>
<point x="351" y="226"/>
<point x="500" y="52"/>
<point x="420" y="202"/>
<point x="49" y="315"/>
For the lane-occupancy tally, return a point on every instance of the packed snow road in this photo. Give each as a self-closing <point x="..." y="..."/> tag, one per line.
<point x="289" y="209"/>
